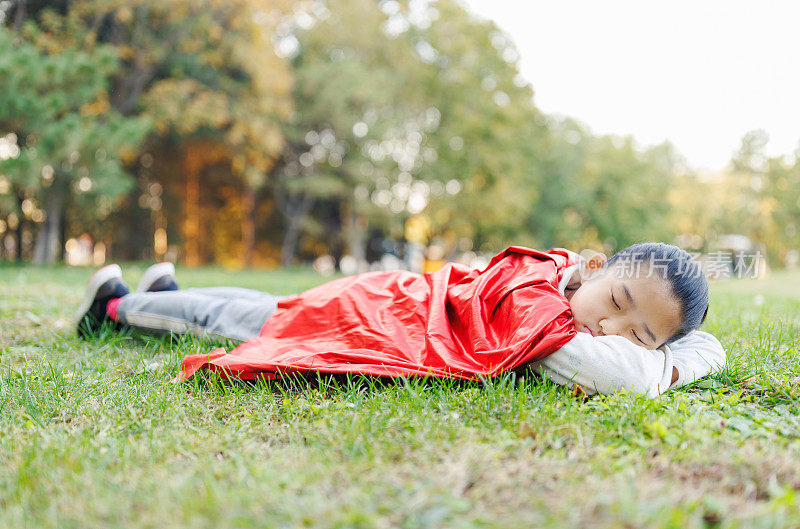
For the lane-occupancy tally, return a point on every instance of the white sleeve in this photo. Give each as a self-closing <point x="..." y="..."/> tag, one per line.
<point x="696" y="355"/>
<point x="606" y="364"/>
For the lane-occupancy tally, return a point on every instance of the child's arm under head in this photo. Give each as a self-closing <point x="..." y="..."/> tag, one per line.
<point x="694" y="356"/>
<point x="606" y="364"/>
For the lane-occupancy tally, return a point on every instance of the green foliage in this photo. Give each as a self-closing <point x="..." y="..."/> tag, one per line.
<point x="196" y="76"/>
<point x="755" y="196"/>
<point x="55" y="106"/>
<point x="446" y="117"/>
<point x="356" y="116"/>
<point x="601" y="192"/>
<point x="349" y="95"/>
<point x="488" y="132"/>
<point x="206" y="68"/>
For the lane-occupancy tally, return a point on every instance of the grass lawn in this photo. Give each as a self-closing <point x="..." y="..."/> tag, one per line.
<point x="93" y="434"/>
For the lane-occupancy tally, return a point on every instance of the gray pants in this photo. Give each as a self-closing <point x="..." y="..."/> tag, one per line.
<point x="226" y="312"/>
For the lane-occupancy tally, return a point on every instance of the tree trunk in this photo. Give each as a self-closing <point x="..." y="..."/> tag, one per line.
<point x="19" y="228"/>
<point x="295" y="215"/>
<point x="355" y="230"/>
<point x="192" y="220"/>
<point x="249" y="227"/>
<point x="48" y="242"/>
<point x="19" y="15"/>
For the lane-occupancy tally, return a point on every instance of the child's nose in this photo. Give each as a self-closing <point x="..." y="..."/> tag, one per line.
<point x="609" y="326"/>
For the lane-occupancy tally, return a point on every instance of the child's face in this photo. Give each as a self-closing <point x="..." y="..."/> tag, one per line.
<point x="641" y="309"/>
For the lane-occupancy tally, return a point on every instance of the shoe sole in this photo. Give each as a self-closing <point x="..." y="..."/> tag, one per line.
<point x="98" y="279"/>
<point x="153" y="274"/>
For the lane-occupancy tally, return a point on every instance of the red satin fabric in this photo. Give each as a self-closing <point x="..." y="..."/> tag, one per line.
<point x="454" y="322"/>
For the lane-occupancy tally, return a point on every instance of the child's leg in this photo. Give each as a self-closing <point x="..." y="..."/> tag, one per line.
<point x="237" y="315"/>
<point x="233" y="292"/>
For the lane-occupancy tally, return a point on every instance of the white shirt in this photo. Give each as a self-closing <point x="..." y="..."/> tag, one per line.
<point x="605" y="364"/>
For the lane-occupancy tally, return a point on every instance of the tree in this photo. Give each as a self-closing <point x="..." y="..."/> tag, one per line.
<point x="602" y="192"/>
<point x="484" y="149"/>
<point x="352" y="100"/>
<point x="405" y="109"/>
<point x="765" y="205"/>
<point x="199" y="71"/>
<point x="66" y="142"/>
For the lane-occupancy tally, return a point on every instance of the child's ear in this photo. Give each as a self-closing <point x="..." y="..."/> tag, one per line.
<point x="594" y="264"/>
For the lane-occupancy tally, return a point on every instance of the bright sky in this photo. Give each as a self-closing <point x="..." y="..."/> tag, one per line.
<point x="700" y="73"/>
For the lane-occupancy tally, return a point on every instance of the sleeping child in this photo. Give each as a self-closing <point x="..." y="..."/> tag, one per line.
<point x="630" y="322"/>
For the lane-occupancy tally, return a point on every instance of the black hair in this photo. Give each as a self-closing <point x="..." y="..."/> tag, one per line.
<point x="679" y="269"/>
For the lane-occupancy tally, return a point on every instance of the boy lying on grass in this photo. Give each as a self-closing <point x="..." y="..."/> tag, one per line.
<point x="628" y="323"/>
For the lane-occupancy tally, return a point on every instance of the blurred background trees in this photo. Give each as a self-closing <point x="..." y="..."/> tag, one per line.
<point x="64" y="146"/>
<point x="258" y="132"/>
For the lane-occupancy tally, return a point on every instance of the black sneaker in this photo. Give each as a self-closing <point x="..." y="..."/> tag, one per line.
<point x="104" y="285"/>
<point x="158" y="278"/>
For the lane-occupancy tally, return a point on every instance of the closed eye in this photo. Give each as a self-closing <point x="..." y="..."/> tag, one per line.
<point x="615" y="301"/>
<point x="637" y="337"/>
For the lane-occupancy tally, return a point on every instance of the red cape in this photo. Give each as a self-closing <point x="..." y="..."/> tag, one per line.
<point x="455" y="322"/>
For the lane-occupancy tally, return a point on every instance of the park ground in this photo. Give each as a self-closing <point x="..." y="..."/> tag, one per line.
<point x="93" y="434"/>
